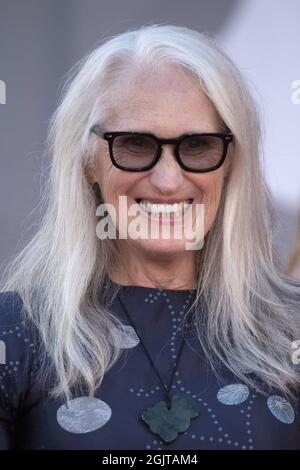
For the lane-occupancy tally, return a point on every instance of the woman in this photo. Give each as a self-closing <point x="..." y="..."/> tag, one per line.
<point x="93" y="328"/>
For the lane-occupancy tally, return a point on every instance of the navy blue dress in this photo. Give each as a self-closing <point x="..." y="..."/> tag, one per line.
<point x="231" y="414"/>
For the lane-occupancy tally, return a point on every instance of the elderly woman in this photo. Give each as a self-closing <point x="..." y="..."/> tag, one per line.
<point x="151" y="342"/>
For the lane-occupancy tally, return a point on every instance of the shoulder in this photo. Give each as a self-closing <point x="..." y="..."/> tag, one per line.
<point x="17" y="359"/>
<point x="18" y="347"/>
<point x="11" y="307"/>
<point x="12" y="319"/>
<point x="17" y="337"/>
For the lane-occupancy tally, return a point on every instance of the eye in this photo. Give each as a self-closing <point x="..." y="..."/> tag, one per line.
<point x="195" y="142"/>
<point x="137" y="141"/>
<point x="135" y="144"/>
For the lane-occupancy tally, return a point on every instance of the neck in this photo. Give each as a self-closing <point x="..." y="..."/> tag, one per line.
<point x="172" y="271"/>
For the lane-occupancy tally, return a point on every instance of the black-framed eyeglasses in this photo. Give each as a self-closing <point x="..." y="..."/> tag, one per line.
<point x="138" y="151"/>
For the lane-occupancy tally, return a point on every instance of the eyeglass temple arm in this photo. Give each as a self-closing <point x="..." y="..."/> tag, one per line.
<point x="97" y="130"/>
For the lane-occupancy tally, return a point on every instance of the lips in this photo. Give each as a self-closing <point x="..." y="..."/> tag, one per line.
<point x="174" y="210"/>
<point x="164" y="201"/>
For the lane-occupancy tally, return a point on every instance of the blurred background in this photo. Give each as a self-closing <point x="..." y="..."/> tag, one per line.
<point x="40" y="40"/>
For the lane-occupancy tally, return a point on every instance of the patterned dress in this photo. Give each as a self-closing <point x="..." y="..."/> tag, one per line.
<point x="230" y="414"/>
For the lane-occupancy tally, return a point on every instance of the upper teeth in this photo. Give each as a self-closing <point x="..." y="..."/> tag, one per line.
<point x="177" y="208"/>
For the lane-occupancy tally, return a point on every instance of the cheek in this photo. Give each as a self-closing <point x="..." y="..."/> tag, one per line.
<point x="113" y="182"/>
<point x="108" y="177"/>
<point x="116" y="183"/>
<point x="210" y="190"/>
<point x="209" y="186"/>
<point x="109" y="186"/>
<point x="213" y="192"/>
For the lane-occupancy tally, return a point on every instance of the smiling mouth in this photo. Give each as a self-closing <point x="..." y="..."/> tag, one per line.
<point x="156" y="208"/>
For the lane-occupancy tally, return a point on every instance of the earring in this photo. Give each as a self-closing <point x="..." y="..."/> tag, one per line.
<point x="97" y="192"/>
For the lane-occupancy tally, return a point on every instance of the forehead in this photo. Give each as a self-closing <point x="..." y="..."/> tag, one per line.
<point x="166" y="101"/>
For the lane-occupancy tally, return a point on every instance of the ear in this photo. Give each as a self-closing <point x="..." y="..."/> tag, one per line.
<point x="89" y="174"/>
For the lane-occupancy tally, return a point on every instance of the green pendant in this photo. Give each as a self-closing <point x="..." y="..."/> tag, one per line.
<point x="167" y="423"/>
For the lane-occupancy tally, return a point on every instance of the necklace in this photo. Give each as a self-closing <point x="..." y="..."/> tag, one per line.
<point x="171" y="416"/>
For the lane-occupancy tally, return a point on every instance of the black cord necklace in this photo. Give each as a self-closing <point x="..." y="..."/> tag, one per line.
<point x="171" y="416"/>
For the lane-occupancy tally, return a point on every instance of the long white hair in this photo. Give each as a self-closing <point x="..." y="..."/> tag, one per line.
<point x="250" y="311"/>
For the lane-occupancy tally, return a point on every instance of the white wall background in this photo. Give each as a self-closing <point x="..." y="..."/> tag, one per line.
<point x="263" y="38"/>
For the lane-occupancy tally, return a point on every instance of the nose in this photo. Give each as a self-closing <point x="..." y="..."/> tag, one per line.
<point x="167" y="176"/>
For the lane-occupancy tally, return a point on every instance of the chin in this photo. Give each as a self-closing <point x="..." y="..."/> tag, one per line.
<point x="163" y="247"/>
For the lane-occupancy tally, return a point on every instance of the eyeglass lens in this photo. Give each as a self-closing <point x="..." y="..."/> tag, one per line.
<point x="196" y="152"/>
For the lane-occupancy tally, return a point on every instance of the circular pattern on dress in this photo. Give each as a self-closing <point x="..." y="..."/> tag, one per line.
<point x="233" y="394"/>
<point x="127" y="337"/>
<point x="83" y="414"/>
<point x="281" y="409"/>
